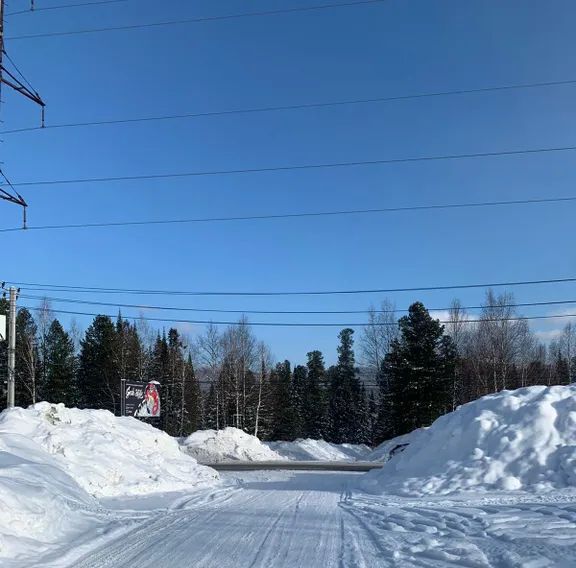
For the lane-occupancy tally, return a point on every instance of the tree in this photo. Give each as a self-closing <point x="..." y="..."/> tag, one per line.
<point x="378" y="335"/>
<point x="26" y="389"/>
<point x="98" y="374"/>
<point x="282" y="410"/>
<point x="60" y="379"/>
<point x="314" y="403"/>
<point x="420" y="369"/>
<point x="345" y="404"/>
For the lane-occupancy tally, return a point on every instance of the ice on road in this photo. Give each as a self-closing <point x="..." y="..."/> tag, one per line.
<point x="312" y="519"/>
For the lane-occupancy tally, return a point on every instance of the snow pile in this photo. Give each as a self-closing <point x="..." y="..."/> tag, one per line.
<point x="522" y="439"/>
<point x="230" y="444"/>
<point x="319" y="450"/>
<point x="107" y="455"/>
<point x="39" y="503"/>
<point x="393" y="447"/>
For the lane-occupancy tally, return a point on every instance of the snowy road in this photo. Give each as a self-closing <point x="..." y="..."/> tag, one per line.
<point x="310" y="519"/>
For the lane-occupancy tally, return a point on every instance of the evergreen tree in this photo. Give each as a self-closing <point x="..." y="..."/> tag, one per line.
<point x="345" y="400"/>
<point x="314" y="403"/>
<point x="420" y="369"/>
<point x="192" y="409"/>
<point x="282" y="410"/>
<point x="60" y="384"/>
<point x="297" y="397"/>
<point x="98" y="374"/>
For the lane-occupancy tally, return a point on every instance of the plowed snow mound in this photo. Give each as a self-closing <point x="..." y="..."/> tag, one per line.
<point x="522" y="439"/>
<point x="213" y="446"/>
<point x="319" y="450"/>
<point x="105" y="454"/>
<point x="39" y="503"/>
<point x="394" y="447"/>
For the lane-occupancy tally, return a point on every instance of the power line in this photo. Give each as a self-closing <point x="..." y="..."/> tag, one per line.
<point x="317" y="166"/>
<point x="303" y="106"/>
<point x="201" y="19"/>
<point x="62" y="6"/>
<point x="91" y="289"/>
<point x="293" y="215"/>
<point x="291" y="312"/>
<point x="305" y="324"/>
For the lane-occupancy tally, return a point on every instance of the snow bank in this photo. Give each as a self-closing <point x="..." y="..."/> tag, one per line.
<point x="107" y="455"/>
<point x="39" y="503"/>
<point x="393" y="447"/>
<point x="213" y="446"/>
<point x="319" y="450"/>
<point x="522" y="439"/>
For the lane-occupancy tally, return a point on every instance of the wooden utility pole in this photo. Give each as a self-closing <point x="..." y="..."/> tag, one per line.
<point x="11" y="399"/>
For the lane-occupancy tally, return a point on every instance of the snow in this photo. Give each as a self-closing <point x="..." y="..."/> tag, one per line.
<point x="40" y="504"/>
<point x="508" y="441"/>
<point x="229" y="444"/>
<point x="393" y="447"/>
<point x="105" y="454"/>
<point x="319" y="450"/>
<point x="313" y="519"/>
<point x="55" y="462"/>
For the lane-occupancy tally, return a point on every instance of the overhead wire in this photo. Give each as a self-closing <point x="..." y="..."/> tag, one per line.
<point x="300" y="215"/>
<point x="302" y="324"/>
<point x="134" y="291"/>
<point x="203" y="19"/>
<point x="301" y="167"/>
<point x="284" y="312"/>
<point x="63" y="6"/>
<point x="303" y="106"/>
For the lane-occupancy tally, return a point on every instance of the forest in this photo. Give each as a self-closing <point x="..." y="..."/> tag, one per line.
<point x="391" y="376"/>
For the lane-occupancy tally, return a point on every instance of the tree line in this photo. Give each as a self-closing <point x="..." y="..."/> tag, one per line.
<point x="408" y="371"/>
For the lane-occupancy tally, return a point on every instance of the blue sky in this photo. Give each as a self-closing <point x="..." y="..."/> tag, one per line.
<point x="393" y="48"/>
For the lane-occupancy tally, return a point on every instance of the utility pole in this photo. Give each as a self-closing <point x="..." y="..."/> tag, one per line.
<point x="12" y="348"/>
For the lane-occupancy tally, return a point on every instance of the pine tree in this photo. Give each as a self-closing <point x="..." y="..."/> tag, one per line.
<point x="282" y="411"/>
<point x="98" y="374"/>
<point x="345" y="400"/>
<point x="297" y="397"/>
<point x="420" y="369"/>
<point x="314" y="403"/>
<point x="192" y="414"/>
<point x="60" y="383"/>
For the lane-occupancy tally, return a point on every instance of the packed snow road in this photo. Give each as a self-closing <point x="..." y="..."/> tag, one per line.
<point x="312" y="519"/>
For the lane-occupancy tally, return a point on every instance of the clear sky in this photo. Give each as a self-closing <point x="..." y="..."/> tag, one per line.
<point x="398" y="47"/>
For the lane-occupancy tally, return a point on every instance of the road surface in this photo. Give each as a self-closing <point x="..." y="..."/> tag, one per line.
<point x="279" y="519"/>
<point x="295" y="466"/>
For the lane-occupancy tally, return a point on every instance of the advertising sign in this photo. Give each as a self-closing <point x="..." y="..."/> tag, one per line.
<point x="142" y="400"/>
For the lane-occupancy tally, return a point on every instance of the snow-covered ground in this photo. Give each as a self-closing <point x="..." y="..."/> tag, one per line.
<point x="229" y="444"/>
<point x="319" y="450"/>
<point x="316" y="519"/>
<point x="491" y="485"/>
<point x="56" y="462"/>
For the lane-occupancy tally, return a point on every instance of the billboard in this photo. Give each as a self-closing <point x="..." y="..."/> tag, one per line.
<point x="142" y="400"/>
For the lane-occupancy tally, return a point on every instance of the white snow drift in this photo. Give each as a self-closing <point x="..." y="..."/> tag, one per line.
<point x="55" y="461"/>
<point x="39" y="502"/>
<point x="319" y="450"/>
<point x="522" y="439"/>
<point x="229" y="444"/>
<point x="107" y="455"/>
